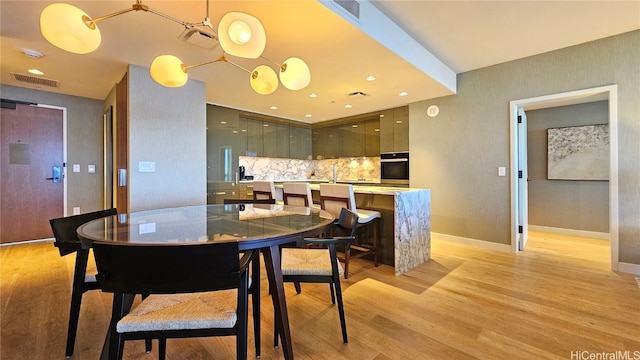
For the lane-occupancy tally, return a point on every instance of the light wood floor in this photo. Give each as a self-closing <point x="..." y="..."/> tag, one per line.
<point x="549" y="302"/>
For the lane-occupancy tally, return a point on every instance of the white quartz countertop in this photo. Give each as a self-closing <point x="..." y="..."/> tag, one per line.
<point x="358" y="189"/>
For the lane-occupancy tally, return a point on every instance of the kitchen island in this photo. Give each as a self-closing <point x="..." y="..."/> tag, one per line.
<point x="405" y="237"/>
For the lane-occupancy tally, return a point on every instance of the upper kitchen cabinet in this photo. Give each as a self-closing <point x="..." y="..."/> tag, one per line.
<point x="372" y="138"/>
<point x="255" y="141"/>
<point x="351" y="140"/>
<point x="300" y="146"/>
<point x="394" y="130"/>
<point x="348" y="139"/>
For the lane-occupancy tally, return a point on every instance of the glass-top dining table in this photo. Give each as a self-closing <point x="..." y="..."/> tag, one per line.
<point x="253" y="226"/>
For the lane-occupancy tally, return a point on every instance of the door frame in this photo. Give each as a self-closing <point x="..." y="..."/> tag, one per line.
<point x="64" y="152"/>
<point x="608" y="92"/>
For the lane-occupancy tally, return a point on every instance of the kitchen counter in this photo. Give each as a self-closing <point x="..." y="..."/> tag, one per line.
<point x="405" y="240"/>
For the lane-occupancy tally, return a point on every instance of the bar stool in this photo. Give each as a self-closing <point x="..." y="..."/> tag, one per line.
<point x="298" y="194"/>
<point x="334" y="197"/>
<point x="264" y="190"/>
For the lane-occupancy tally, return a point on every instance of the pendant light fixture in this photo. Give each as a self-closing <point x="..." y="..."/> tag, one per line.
<point x="170" y="71"/>
<point x="69" y="28"/>
<point x="239" y="35"/>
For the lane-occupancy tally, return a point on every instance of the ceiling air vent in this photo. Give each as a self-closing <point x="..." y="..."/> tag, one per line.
<point x="200" y="36"/>
<point x="351" y="6"/>
<point x="34" y="80"/>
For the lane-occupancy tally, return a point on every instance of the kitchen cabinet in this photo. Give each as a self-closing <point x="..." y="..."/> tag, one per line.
<point x="255" y="141"/>
<point x="282" y="141"/>
<point x="269" y="137"/>
<point x="394" y="130"/>
<point x="355" y="139"/>
<point x="351" y="139"/>
<point x="225" y="143"/>
<point x="300" y="145"/>
<point x="372" y="138"/>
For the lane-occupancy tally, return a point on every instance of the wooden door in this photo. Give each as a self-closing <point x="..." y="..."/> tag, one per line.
<point x="32" y="181"/>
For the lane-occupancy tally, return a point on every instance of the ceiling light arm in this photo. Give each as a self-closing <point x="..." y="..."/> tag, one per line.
<point x="139" y="6"/>
<point x="224" y="59"/>
<point x="220" y="59"/>
<point x="282" y="67"/>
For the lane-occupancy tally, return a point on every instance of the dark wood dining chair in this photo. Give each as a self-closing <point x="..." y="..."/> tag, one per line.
<point x="195" y="291"/>
<point x="321" y="265"/>
<point x="334" y="197"/>
<point x="67" y="242"/>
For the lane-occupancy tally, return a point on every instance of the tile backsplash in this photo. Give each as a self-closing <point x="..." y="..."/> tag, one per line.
<point x="263" y="168"/>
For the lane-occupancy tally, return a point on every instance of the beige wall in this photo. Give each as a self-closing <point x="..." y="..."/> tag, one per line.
<point x="166" y="126"/>
<point x="457" y="153"/>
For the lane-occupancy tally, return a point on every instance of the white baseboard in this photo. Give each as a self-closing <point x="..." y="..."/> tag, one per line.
<point x="629" y="268"/>
<point x="570" y="232"/>
<point x="472" y="242"/>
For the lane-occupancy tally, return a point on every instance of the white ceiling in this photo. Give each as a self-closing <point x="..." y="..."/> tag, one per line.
<point x="463" y="35"/>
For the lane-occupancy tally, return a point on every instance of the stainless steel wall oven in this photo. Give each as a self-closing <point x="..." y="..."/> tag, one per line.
<point x="394" y="168"/>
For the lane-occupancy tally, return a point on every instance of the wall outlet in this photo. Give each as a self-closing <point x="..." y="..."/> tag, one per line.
<point x="502" y="171"/>
<point x="76" y="210"/>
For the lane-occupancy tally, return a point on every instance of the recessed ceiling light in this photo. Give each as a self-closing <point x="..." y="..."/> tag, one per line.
<point x="348" y="106"/>
<point x="273" y="107"/>
<point x="223" y="122"/>
<point x="313" y="95"/>
<point x="235" y="131"/>
<point x="354" y="125"/>
<point x="398" y="121"/>
<point x="404" y="93"/>
<point x="370" y="78"/>
<point x="381" y="115"/>
<point x="265" y="124"/>
<point x="307" y="115"/>
<point x="36" y="72"/>
<point x="376" y="129"/>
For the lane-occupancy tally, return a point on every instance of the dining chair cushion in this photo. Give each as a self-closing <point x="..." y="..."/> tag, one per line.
<point x="302" y="261"/>
<point x="366" y="216"/>
<point x="214" y="309"/>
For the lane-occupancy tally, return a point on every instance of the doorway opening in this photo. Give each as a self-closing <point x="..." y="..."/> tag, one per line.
<point x="518" y="151"/>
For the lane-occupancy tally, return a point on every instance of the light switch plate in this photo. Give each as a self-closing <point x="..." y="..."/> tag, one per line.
<point x="146" y="166"/>
<point x="76" y="167"/>
<point x="91" y="169"/>
<point x="502" y="171"/>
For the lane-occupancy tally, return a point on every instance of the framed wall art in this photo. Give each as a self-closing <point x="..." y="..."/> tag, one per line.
<point x="578" y="153"/>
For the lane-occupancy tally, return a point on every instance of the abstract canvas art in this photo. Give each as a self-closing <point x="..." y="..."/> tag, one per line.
<point x="578" y="153"/>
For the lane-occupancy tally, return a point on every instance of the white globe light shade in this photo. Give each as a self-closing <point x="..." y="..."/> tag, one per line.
<point x="241" y="35"/>
<point x="239" y="32"/>
<point x="69" y="28"/>
<point x="296" y="74"/>
<point x="169" y="71"/>
<point x="263" y="80"/>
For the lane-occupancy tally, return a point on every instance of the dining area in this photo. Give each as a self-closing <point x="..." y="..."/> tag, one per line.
<point x="171" y="255"/>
